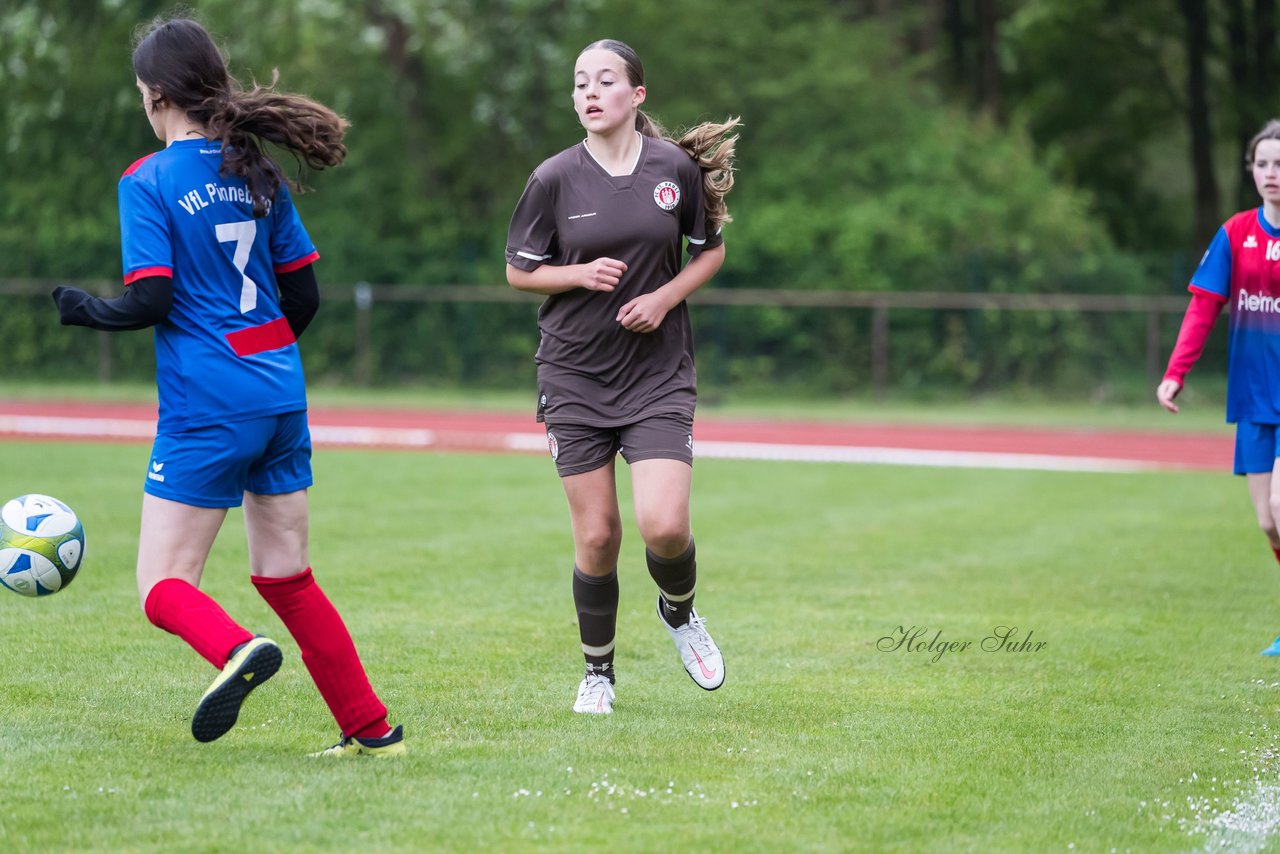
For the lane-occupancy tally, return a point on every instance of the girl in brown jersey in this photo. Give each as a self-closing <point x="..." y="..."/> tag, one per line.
<point x="599" y="232"/>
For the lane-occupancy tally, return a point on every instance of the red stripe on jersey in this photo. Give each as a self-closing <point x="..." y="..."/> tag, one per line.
<point x="133" y="167"/>
<point x="297" y="265"/>
<point x="146" y="272"/>
<point x="260" y="339"/>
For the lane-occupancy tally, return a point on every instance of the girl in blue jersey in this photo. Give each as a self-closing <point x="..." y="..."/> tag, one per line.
<point x="1241" y="269"/>
<point x="218" y="262"/>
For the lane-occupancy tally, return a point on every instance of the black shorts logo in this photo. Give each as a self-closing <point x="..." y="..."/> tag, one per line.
<point x="553" y="446"/>
<point x="542" y="404"/>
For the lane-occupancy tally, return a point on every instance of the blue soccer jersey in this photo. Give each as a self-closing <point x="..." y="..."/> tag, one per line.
<point x="1242" y="267"/>
<point x="225" y="352"/>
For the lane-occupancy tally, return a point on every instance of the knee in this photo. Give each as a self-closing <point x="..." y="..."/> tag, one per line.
<point x="666" y="537"/>
<point x="151" y="596"/>
<point x="154" y="577"/>
<point x="601" y="537"/>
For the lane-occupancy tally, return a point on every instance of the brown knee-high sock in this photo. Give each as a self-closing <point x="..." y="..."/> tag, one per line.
<point x="676" y="578"/>
<point x="596" y="600"/>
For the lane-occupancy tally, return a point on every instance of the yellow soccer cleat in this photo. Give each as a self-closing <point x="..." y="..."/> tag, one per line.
<point x="389" y="746"/>
<point x="251" y="664"/>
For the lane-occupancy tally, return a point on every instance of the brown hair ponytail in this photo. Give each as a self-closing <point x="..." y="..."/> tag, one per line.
<point x="178" y="59"/>
<point x="712" y="149"/>
<point x="708" y="144"/>
<point x="307" y="129"/>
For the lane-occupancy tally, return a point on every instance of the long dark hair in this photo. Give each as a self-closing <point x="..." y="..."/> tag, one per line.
<point x="178" y="59"/>
<point x="709" y="144"/>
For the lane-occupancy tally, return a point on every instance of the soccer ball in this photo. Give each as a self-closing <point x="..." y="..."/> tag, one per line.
<point x="41" y="545"/>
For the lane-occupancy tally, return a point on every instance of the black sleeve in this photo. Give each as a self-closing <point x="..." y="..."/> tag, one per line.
<point x="299" y="297"/>
<point x="144" y="303"/>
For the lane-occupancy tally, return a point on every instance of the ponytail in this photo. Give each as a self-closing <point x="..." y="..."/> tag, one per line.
<point x="307" y="129"/>
<point x="176" y="57"/>
<point x="712" y="149"/>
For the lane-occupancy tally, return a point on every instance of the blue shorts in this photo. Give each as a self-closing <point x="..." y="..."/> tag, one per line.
<point x="1256" y="449"/>
<point x="214" y="466"/>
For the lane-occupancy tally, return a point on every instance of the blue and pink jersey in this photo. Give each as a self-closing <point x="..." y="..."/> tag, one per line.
<point x="1242" y="269"/>
<point x="225" y="352"/>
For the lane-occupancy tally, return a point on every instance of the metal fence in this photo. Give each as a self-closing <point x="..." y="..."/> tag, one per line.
<point x="885" y="308"/>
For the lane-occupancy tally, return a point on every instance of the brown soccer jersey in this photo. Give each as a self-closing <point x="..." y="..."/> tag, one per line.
<point x="591" y="370"/>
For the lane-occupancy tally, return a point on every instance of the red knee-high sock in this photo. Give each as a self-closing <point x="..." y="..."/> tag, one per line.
<point x="180" y="608"/>
<point x="327" y="651"/>
<point x="1276" y="552"/>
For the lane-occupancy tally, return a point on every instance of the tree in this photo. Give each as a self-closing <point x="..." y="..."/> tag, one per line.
<point x="856" y="172"/>
<point x="1205" y="200"/>
<point x="1251" y="48"/>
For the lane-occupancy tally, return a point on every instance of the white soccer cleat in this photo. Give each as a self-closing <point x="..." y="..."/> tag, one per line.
<point x="698" y="651"/>
<point x="595" y="696"/>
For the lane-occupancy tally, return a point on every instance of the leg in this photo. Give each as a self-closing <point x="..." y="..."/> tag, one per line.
<point x="1264" y="492"/>
<point x="597" y="538"/>
<point x="597" y="524"/>
<point x="1257" y="457"/>
<point x="203" y="474"/>
<point x="585" y="457"/>
<point x="172" y="549"/>
<point x="1273" y="532"/>
<point x="661" y="487"/>
<point x="174" y="542"/>
<point x="277" y="530"/>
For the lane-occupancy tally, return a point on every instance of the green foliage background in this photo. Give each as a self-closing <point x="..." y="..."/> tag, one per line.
<point x="864" y="164"/>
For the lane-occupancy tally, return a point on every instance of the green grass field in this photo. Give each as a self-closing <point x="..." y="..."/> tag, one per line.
<point x="1153" y="594"/>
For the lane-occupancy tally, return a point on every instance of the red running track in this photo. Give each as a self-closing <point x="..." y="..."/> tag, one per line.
<point x="429" y="429"/>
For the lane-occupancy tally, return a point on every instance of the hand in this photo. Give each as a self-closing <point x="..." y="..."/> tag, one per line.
<point x="67" y="299"/>
<point x="602" y="274"/>
<point x="1166" y="392"/>
<point x="644" y="313"/>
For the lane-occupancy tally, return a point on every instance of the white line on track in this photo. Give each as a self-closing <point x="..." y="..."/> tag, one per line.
<point x="387" y="437"/>
<point x="884" y="456"/>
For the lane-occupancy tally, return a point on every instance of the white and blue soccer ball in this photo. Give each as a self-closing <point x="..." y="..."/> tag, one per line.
<point x="41" y="545"/>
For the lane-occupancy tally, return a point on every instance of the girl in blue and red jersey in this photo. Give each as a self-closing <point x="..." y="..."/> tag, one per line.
<point x="1241" y="269"/>
<point x="216" y="259"/>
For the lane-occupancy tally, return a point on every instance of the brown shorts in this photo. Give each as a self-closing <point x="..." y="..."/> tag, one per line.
<point x="579" y="448"/>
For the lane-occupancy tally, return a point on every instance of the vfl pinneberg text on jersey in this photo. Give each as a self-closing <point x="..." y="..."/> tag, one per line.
<point x="193" y="202"/>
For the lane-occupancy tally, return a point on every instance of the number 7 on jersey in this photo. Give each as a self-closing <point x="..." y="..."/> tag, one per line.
<point x="243" y="233"/>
